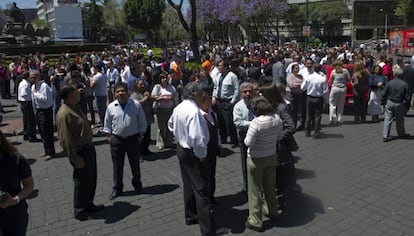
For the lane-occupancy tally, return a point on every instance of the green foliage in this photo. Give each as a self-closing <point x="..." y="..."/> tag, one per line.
<point x="171" y="28"/>
<point x="93" y="18"/>
<point x="405" y="10"/>
<point x="38" y="23"/>
<point x="116" y="29"/>
<point x="191" y="66"/>
<point x="144" y="14"/>
<point x="322" y="15"/>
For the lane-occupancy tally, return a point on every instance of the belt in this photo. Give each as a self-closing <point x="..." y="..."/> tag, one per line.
<point x="223" y="100"/>
<point x="125" y="137"/>
<point x="313" y="96"/>
<point x="43" y="109"/>
<point x="396" y="101"/>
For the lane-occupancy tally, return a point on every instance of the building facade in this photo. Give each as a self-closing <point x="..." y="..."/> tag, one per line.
<point x="372" y="20"/>
<point x="63" y="18"/>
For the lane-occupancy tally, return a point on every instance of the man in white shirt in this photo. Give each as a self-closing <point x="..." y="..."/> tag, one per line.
<point x="113" y="77"/>
<point x="316" y="89"/>
<point x="125" y="70"/>
<point x="25" y="99"/>
<point x="191" y="132"/>
<point x="42" y="100"/>
<point x="99" y="86"/>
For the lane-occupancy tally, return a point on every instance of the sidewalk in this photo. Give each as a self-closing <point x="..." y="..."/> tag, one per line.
<point x="348" y="183"/>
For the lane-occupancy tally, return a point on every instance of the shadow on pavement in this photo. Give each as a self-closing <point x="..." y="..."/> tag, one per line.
<point x="327" y="136"/>
<point x="304" y="174"/>
<point x="225" y="215"/>
<point x="298" y="209"/>
<point x="118" y="211"/>
<point x="160" y="189"/>
<point x="161" y="155"/>
<point x="153" y="190"/>
<point x="225" y="152"/>
<point x="31" y="161"/>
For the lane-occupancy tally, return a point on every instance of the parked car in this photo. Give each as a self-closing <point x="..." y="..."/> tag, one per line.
<point x="349" y="100"/>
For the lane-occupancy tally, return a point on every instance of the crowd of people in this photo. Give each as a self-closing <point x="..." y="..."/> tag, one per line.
<point x="251" y="97"/>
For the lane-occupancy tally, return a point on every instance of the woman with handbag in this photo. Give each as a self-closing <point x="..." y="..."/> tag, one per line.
<point x="165" y="100"/>
<point x="264" y="131"/>
<point x="285" y="172"/>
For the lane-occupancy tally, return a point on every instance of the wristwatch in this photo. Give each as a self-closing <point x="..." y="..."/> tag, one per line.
<point x="17" y="198"/>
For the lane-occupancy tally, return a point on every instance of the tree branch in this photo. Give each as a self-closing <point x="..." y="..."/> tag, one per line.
<point x="178" y="9"/>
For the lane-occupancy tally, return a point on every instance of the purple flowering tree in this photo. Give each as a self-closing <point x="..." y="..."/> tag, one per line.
<point x="254" y="15"/>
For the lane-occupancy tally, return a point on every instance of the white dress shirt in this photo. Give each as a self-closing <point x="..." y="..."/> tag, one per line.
<point x="315" y="85"/>
<point x="125" y="73"/>
<point x="229" y="87"/>
<point x="43" y="97"/>
<point x="113" y="76"/>
<point x="24" y="91"/>
<point x="190" y="127"/>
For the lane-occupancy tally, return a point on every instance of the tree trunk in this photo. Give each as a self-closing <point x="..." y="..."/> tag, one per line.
<point x="243" y="33"/>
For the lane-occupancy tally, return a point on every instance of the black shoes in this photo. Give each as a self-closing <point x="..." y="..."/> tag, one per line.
<point x="86" y="213"/>
<point x="95" y="208"/>
<point x="114" y="194"/>
<point x="387" y="139"/>
<point x="222" y="231"/>
<point x="191" y="221"/>
<point x="83" y="215"/>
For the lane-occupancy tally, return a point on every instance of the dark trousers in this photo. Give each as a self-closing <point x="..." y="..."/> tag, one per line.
<point x="101" y="106"/>
<point x="44" y="120"/>
<point x="15" y="224"/>
<point x="360" y="106"/>
<point x="89" y="104"/>
<point x="314" y="106"/>
<point x="224" y="111"/>
<point x="130" y="146"/>
<point x="298" y="102"/>
<point x="29" y="120"/>
<point x="212" y="162"/>
<point x="85" y="179"/>
<point x="196" y="190"/>
<point x="5" y="88"/>
<point x="145" y="142"/>
<point x="243" y="157"/>
<point x="56" y="105"/>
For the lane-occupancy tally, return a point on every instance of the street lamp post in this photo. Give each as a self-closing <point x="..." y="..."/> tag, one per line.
<point x="306" y="23"/>
<point x="386" y="23"/>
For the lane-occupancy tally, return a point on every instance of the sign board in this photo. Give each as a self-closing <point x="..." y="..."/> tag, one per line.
<point x="306" y="30"/>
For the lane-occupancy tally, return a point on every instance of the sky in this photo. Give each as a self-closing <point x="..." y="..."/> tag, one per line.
<point x="20" y="3"/>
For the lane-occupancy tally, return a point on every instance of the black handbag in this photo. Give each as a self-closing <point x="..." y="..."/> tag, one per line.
<point x="292" y="144"/>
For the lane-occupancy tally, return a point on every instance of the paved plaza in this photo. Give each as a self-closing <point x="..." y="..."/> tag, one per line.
<point x="348" y="183"/>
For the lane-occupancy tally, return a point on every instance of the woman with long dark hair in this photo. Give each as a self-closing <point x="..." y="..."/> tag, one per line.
<point x="16" y="184"/>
